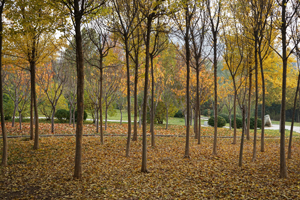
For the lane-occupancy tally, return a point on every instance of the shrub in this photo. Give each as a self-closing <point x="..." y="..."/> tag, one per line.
<point x="208" y="112"/>
<point x="239" y="123"/>
<point x="221" y="121"/>
<point x="252" y="120"/>
<point x="225" y="116"/>
<point x="62" y="114"/>
<point x="179" y="114"/>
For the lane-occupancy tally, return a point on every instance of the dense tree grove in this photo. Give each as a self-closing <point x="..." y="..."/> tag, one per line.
<point x="193" y="57"/>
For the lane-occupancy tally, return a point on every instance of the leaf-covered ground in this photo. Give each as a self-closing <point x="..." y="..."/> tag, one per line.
<point x="107" y="174"/>
<point x="117" y="129"/>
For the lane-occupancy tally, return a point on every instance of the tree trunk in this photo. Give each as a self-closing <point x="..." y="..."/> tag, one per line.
<point x="70" y="114"/>
<point x="74" y="117"/>
<point x="121" y="117"/>
<point x="167" y="117"/>
<point x="262" y="149"/>
<point x="283" y="168"/>
<point x="128" y="97"/>
<point x="20" y="121"/>
<point x="52" y="120"/>
<point x="3" y="128"/>
<point x="33" y="91"/>
<point x="106" y="108"/>
<point x="293" y="119"/>
<point x="144" y="146"/>
<point x="234" y="115"/>
<point x="187" y="49"/>
<point x="199" y="130"/>
<point x="100" y="102"/>
<point x="140" y="118"/>
<point x="152" y="104"/>
<point x="80" y="91"/>
<point x="215" y="93"/>
<point x="242" y="139"/>
<point x="197" y="103"/>
<point x="249" y="105"/>
<point x="256" y="100"/>
<point x="31" y="114"/>
<point x="97" y="120"/>
<point x="135" y="99"/>
<point x="14" y="114"/>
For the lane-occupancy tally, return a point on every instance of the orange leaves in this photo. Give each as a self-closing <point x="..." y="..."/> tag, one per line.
<point x="107" y="174"/>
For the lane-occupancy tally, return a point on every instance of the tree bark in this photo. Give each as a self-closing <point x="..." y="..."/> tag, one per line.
<point x="152" y="104"/>
<point x="167" y="117"/>
<point x="187" y="49"/>
<point x="33" y="91"/>
<point x="242" y="139"/>
<point x="14" y="114"/>
<point x="283" y="168"/>
<point x="100" y="103"/>
<point x="135" y="98"/>
<point x="256" y="99"/>
<point x="52" y="120"/>
<point x="3" y="128"/>
<point x="215" y="94"/>
<point x="31" y="115"/>
<point x="128" y="96"/>
<point x="121" y="116"/>
<point x="262" y="149"/>
<point x="249" y="105"/>
<point x="144" y="146"/>
<point x="234" y="115"/>
<point x="293" y="119"/>
<point x="80" y="91"/>
<point x="197" y="103"/>
<point x="20" y="121"/>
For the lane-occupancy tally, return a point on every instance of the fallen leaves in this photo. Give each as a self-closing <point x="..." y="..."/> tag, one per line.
<point x="108" y="174"/>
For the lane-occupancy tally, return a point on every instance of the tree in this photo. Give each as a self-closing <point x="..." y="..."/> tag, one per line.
<point x="284" y="23"/>
<point x="4" y="134"/>
<point x="214" y="15"/>
<point x="125" y="13"/>
<point x="32" y="40"/>
<point x="52" y="81"/>
<point x="77" y="9"/>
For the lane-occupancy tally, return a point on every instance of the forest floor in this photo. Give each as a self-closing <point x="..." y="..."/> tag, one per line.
<point x="107" y="174"/>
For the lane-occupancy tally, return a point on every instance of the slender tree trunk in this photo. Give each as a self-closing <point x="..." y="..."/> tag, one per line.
<point x="97" y="120"/>
<point x="293" y="119"/>
<point x="80" y="92"/>
<point x="121" y="117"/>
<point x="199" y="130"/>
<point x="140" y="118"/>
<point x="36" y="116"/>
<point x="106" y="108"/>
<point x="100" y="102"/>
<point x="283" y="168"/>
<point x="215" y="93"/>
<point x="14" y="114"/>
<point x="197" y="103"/>
<point x="128" y="97"/>
<point x="135" y="99"/>
<point x="249" y="105"/>
<point x="144" y="146"/>
<point x="74" y="117"/>
<point x="70" y="114"/>
<point x="152" y="104"/>
<point x="187" y="49"/>
<point x="20" y="121"/>
<point x="3" y="128"/>
<point x="242" y="139"/>
<point x="31" y="113"/>
<point x="167" y="117"/>
<point x="256" y="101"/>
<point x="262" y="149"/>
<point x="52" y="120"/>
<point x="234" y="115"/>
